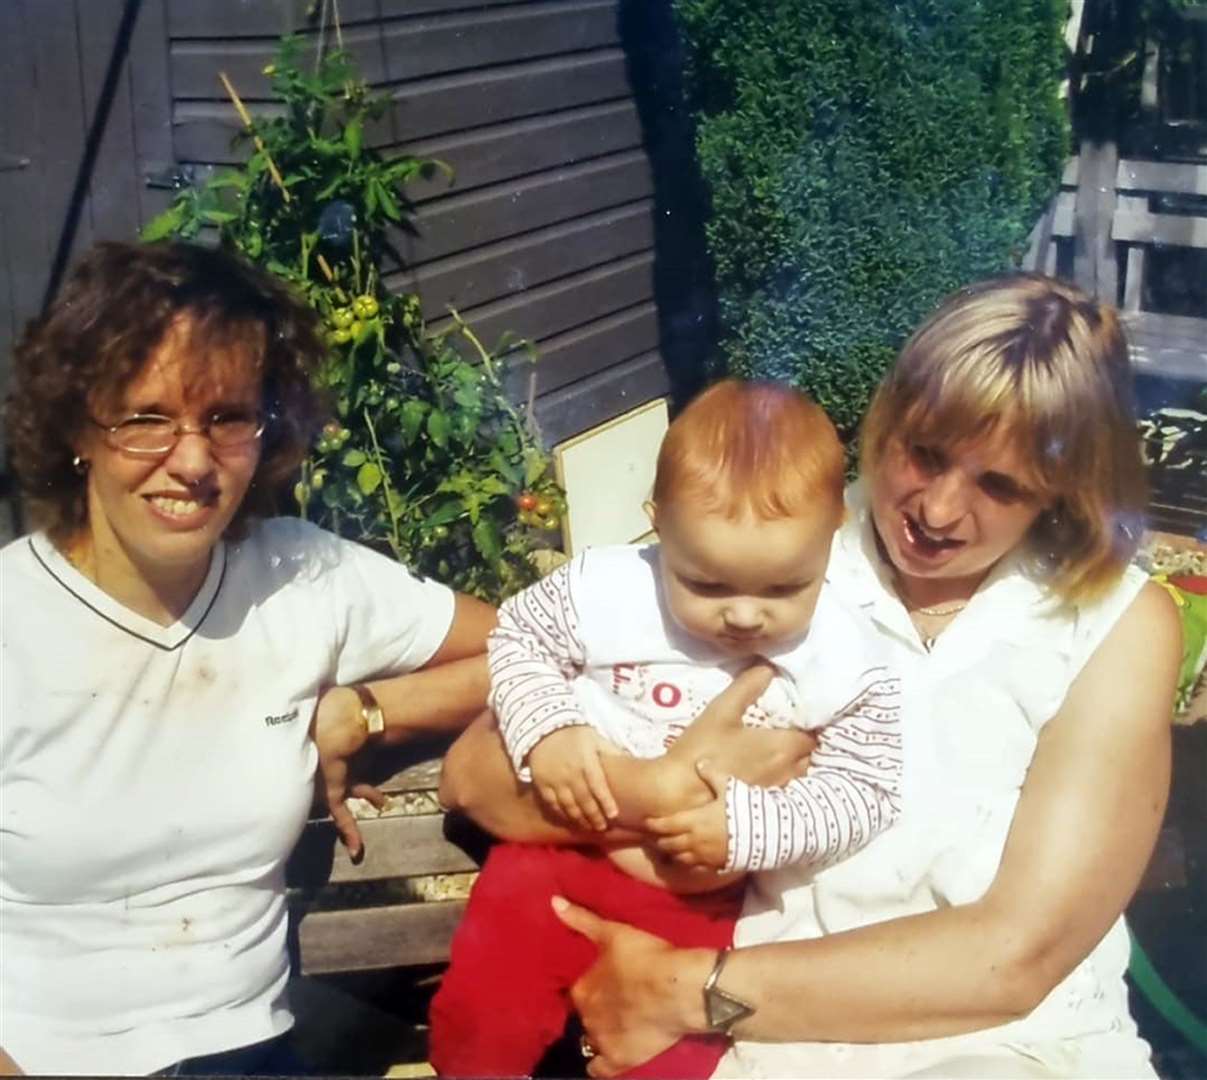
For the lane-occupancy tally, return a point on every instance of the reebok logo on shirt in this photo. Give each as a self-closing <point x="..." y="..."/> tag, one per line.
<point x="284" y="718"/>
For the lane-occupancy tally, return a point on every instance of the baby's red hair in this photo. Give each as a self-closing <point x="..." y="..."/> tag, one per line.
<point x="756" y="448"/>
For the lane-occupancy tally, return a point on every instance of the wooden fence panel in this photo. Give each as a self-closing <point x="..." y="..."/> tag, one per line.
<point x="548" y="228"/>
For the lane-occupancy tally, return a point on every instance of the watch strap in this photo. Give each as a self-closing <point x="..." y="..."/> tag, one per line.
<point x="370" y="710"/>
<point x="722" y="1009"/>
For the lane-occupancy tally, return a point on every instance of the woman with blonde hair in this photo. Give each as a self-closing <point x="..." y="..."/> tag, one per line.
<point x="989" y="544"/>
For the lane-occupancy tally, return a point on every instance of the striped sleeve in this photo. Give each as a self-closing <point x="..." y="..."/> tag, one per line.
<point x="850" y="792"/>
<point x="533" y="654"/>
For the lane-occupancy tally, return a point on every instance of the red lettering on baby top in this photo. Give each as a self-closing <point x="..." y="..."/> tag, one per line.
<point x="666" y="694"/>
<point x="621" y="674"/>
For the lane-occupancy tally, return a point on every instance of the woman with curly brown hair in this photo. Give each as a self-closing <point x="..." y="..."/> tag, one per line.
<point x="165" y="648"/>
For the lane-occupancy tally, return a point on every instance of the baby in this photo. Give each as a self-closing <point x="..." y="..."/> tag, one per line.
<point x="619" y="651"/>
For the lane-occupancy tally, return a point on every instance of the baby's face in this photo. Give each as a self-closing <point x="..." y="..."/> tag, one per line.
<point x="745" y="585"/>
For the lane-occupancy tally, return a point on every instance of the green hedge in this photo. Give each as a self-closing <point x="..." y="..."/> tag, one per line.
<point x="865" y="157"/>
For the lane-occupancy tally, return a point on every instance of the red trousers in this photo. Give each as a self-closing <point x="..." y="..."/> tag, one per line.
<point x="505" y="997"/>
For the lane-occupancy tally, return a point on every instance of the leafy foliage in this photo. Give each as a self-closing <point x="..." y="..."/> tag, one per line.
<point x="864" y="159"/>
<point x="428" y="458"/>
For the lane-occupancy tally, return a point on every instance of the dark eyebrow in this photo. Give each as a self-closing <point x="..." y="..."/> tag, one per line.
<point x="151" y="409"/>
<point x="1006" y="481"/>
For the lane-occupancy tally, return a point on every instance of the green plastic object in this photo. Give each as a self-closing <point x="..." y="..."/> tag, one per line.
<point x="1171" y="1007"/>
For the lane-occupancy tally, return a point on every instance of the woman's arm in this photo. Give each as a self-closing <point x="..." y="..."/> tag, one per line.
<point x="473" y="619"/>
<point x="442" y="696"/>
<point x="1082" y="834"/>
<point x="479" y="781"/>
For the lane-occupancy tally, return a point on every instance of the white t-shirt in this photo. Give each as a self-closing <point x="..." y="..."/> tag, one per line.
<point x="973" y="710"/>
<point x="154" y="779"/>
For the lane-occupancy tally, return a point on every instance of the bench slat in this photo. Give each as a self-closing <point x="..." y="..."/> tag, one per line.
<point x="417" y="776"/>
<point x="402" y="846"/>
<point x="367" y="939"/>
<point x="1176" y="331"/>
<point x="1166" y="176"/>
<point x="1172" y="229"/>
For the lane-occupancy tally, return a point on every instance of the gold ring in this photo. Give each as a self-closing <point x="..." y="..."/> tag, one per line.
<point x="584" y="1045"/>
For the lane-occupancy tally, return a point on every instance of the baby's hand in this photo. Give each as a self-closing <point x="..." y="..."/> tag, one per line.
<point x="698" y="837"/>
<point x="569" y="779"/>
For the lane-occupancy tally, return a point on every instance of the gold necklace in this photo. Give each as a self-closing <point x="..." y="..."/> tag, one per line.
<point x="938" y="611"/>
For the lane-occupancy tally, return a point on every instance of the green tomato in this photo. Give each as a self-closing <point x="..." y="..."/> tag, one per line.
<point x="356" y="329"/>
<point x="365" y="306"/>
<point x="342" y="318"/>
<point x="548" y="522"/>
<point x="439" y="533"/>
<point x="341" y="336"/>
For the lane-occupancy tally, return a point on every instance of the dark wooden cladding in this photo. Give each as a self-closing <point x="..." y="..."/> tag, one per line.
<point x="468" y="278"/>
<point x="547" y="230"/>
<point x="239" y="18"/>
<point x="610" y="392"/>
<point x="565" y="358"/>
<point x="568" y="302"/>
<point x="196" y="63"/>
<point x="434" y="106"/>
<point x="463" y="221"/>
<point x="229" y="19"/>
<point x="413" y="48"/>
<point x="502" y="152"/>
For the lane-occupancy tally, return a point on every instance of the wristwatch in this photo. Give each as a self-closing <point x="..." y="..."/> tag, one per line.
<point x="370" y="710"/>
<point x="722" y="1009"/>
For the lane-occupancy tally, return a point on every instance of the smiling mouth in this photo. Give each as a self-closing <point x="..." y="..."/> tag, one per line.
<point x="925" y="542"/>
<point x="179" y="508"/>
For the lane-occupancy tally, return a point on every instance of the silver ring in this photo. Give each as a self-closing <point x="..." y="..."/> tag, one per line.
<point x="587" y="1050"/>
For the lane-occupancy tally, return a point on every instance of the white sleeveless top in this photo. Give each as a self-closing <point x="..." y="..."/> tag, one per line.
<point x="973" y="710"/>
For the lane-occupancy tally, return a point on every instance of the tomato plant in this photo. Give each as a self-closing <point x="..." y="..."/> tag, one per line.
<point x="427" y="458"/>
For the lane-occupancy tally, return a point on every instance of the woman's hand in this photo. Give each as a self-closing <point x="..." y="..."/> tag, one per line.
<point x="632" y="1001"/>
<point x="433" y="700"/>
<point x="339" y="733"/>
<point x="764" y="757"/>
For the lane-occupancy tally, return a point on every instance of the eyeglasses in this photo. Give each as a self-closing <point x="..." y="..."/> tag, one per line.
<point x="149" y="433"/>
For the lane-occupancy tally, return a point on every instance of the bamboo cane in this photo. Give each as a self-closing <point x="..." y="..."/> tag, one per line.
<point x="245" y="116"/>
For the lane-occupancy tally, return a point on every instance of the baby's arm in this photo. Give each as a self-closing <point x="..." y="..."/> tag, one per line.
<point x="850" y="793"/>
<point x="533" y="654"/>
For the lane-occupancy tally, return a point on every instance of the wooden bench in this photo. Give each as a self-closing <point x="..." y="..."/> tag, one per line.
<point x="400" y="904"/>
<point x="1173" y="345"/>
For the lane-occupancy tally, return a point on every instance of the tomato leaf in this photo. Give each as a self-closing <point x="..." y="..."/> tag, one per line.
<point x="368" y="478"/>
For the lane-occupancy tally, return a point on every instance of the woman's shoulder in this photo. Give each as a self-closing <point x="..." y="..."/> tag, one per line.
<point x="1150" y="608"/>
<point x="288" y="554"/>
<point x="1098" y="614"/>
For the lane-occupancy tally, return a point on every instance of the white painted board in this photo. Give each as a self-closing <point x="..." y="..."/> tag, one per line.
<point x="608" y="473"/>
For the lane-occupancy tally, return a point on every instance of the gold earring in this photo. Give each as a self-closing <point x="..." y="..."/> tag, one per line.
<point x="80" y="465"/>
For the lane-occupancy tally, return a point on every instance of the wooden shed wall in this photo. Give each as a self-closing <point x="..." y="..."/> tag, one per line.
<point x="548" y="229"/>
